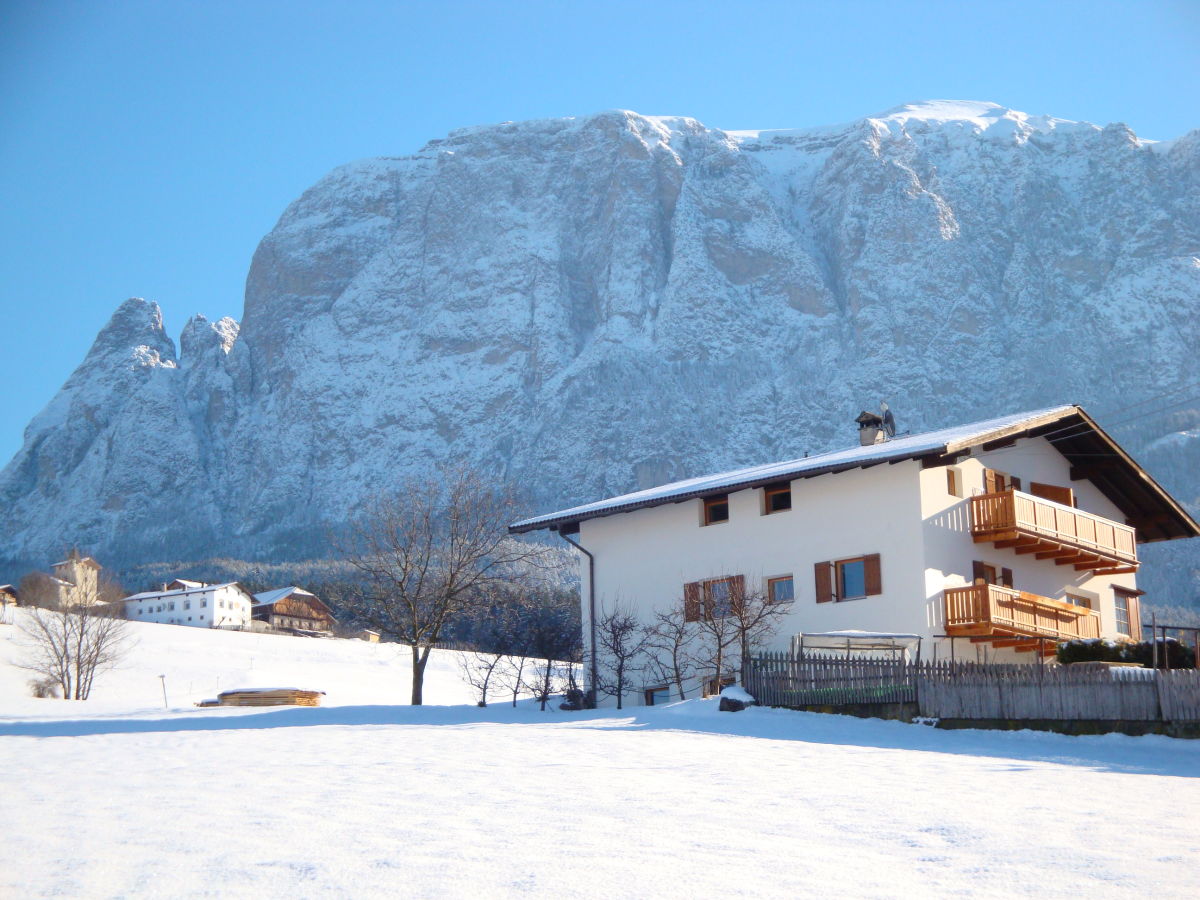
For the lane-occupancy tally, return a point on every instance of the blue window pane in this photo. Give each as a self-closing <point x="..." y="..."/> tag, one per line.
<point x="853" y="578"/>
<point x="718" y="593"/>
<point x="782" y="590"/>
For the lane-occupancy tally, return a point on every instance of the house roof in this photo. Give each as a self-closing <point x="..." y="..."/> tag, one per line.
<point x="1092" y="454"/>
<point x="267" y="597"/>
<point x="270" y="598"/>
<point x="179" y="592"/>
<point x="81" y="560"/>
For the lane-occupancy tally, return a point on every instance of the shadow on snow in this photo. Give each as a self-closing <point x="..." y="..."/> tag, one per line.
<point x="1152" y="755"/>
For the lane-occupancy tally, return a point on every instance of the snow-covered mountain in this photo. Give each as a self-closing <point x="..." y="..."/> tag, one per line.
<point x="593" y="305"/>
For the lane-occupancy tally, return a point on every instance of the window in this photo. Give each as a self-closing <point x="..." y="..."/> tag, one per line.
<point x="953" y="482"/>
<point x="777" y="498"/>
<point x="780" y="590"/>
<point x="986" y="573"/>
<point x="717" y="598"/>
<point x="716" y="685"/>
<point x="656" y="696"/>
<point x="204" y="603"/>
<point x="849" y="579"/>
<point x="714" y="598"/>
<point x="716" y="509"/>
<point x="995" y="482"/>
<point x="171" y="606"/>
<point x="1077" y="600"/>
<point x="1128" y="616"/>
<point x="187" y="604"/>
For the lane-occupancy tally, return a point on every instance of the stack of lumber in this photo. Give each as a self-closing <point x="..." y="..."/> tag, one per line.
<point x="270" y="697"/>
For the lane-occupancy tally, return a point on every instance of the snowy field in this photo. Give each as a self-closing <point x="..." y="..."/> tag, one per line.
<point x="364" y="797"/>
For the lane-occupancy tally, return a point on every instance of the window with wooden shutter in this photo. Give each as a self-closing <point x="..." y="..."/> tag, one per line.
<point x="1006" y="577"/>
<point x="824" y="578"/>
<point x="1125" y="603"/>
<point x="953" y="483"/>
<point x="991" y="481"/>
<point x="1063" y="495"/>
<point x="691" y="602"/>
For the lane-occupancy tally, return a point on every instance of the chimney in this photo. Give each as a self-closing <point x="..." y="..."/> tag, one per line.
<point x="870" y="428"/>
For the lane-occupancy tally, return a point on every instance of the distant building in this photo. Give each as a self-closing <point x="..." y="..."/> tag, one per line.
<point x="8" y="595"/>
<point x="293" y="609"/>
<point x="200" y="605"/>
<point x="76" y="581"/>
<point x="371" y="637"/>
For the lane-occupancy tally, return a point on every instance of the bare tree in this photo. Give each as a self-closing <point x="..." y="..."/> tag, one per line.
<point x="511" y="675"/>
<point x="429" y="552"/>
<point x="621" y="645"/>
<point x="717" y="628"/>
<point x="755" y="619"/>
<point x="732" y="622"/>
<point x="478" y="670"/>
<point x="38" y="589"/>
<point x="550" y="634"/>
<point x="670" y="640"/>
<point x="71" y="645"/>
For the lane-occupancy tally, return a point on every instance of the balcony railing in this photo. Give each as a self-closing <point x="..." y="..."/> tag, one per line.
<point x="989" y="609"/>
<point x="1053" y="531"/>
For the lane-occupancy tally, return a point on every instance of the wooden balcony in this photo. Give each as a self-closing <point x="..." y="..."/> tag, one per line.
<point x="1051" y="530"/>
<point x="1008" y="618"/>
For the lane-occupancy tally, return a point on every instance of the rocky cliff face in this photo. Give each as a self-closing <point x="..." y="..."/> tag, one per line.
<point x="599" y="304"/>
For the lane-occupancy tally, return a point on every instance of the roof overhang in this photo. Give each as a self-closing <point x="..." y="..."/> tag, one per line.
<point x="1093" y="455"/>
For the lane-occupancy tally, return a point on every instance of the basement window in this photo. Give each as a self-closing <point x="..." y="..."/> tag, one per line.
<point x="656" y="696"/>
<point x="777" y="498"/>
<point x="716" y="509"/>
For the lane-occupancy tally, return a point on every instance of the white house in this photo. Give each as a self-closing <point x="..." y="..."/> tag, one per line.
<point x="202" y="606"/>
<point x="997" y="538"/>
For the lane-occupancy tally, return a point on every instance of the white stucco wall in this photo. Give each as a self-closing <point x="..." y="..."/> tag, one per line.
<point x="644" y="558"/>
<point x="903" y="512"/>
<point x="211" y="607"/>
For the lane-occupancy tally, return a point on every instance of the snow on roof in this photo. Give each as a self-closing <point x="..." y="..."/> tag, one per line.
<point x="266" y="598"/>
<point x="179" y="592"/>
<point x="946" y="440"/>
<point x="80" y="560"/>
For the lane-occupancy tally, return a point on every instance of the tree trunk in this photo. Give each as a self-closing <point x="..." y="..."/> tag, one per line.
<point x="419" y="658"/>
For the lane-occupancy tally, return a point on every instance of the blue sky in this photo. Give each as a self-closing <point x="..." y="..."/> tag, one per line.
<point x="145" y="148"/>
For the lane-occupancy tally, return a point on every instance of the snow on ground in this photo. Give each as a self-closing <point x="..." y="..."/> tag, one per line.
<point x="363" y="797"/>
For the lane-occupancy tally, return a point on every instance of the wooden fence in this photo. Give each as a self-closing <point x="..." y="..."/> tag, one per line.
<point x="960" y="690"/>
<point x="780" y="679"/>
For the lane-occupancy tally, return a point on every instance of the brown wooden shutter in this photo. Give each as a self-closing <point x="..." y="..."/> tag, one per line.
<point x="1135" y="617"/>
<point x="1006" y="577"/>
<point x="1063" y="495"/>
<point x="990" y="482"/>
<point x="873" y="574"/>
<point x="824" y="574"/>
<point x="978" y="574"/>
<point x="951" y="483"/>
<point x="691" y="601"/>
